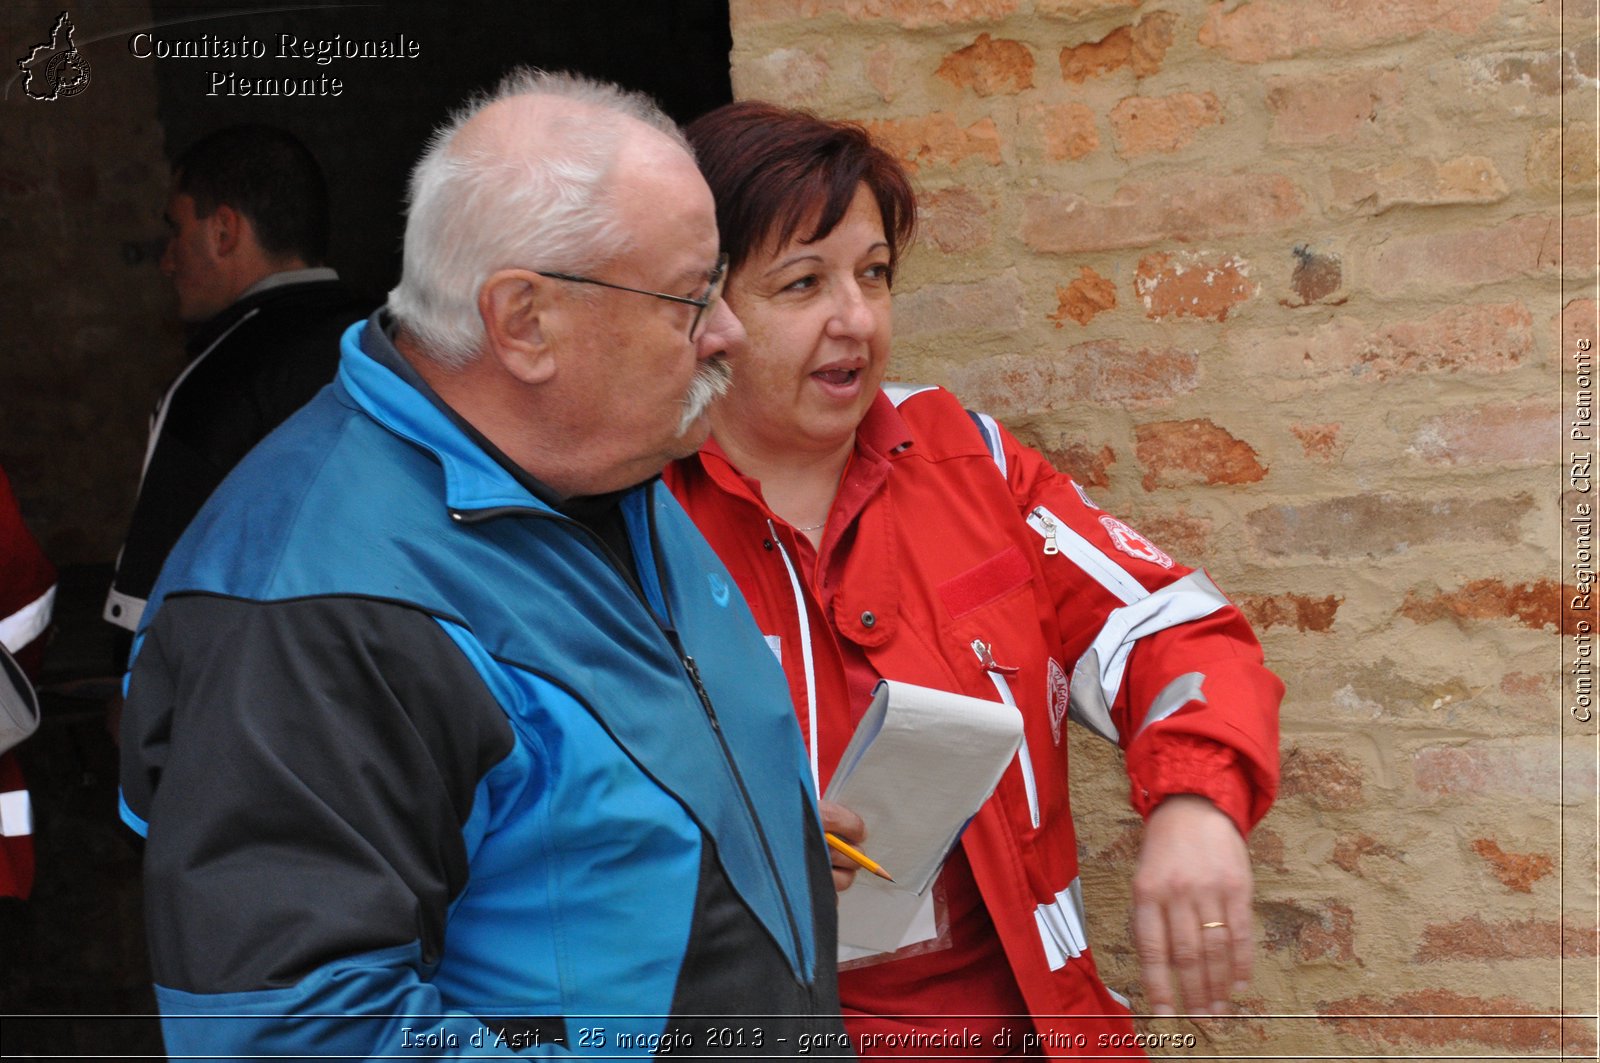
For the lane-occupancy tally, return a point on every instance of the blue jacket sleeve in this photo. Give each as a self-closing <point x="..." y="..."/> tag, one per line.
<point x="305" y="772"/>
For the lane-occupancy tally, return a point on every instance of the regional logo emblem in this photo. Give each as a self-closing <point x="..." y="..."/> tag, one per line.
<point x="56" y="69"/>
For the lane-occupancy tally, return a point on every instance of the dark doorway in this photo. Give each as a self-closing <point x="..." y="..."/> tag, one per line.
<point x="369" y="134"/>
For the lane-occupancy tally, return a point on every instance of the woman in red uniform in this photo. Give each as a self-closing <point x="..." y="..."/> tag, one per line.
<point x="27" y="598"/>
<point x="889" y="533"/>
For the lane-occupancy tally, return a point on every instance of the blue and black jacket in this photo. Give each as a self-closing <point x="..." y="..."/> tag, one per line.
<point x="421" y="765"/>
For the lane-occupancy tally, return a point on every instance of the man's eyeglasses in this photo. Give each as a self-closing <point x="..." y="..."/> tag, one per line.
<point x="703" y="305"/>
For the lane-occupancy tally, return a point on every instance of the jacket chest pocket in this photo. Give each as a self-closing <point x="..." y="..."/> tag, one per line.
<point x="990" y="604"/>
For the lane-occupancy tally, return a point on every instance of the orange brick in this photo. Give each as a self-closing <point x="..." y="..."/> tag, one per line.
<point x="789" y="76"/>
<point x="1518" y="871"/>
<point x="1085" y="297"/>
<point x="1301" y="611"/>
<point x="1176" y="453"/>
<point x="1187" y="284"/>
<point x="1536" y="605"/>
<point x="1334" y="108"/>
<point x="1069" y="130"/>
<point x="1349" y="850"/>
<point x="1267" y="849"/>
<point x="1319" y="441"/>
<point x="1184" y="536"/>
<point x="1417" y="183"/>
<point x="1459" y="339"/>
<point x="1327" y="779"/>
<point x="1381" y="525"/>
<point x="954" y="219"/>
<point x="1474" y="938"/>
<point x="1108" y="372"/>
<point x="1492" y="434"/>
<point x="989" y="67"/>
<point x="1547" y="72"/>
<point x="1152" y="125"/>
<point x="937" y="138"/>
<point x="879" y="69"/>
<point x="1323" y="931"/>
<point x="1181" y="209"/>
<point x="1526" y="768"/>
<point x="992" y="303"/>
<point x="1260" y="30"/>
<point x="1141" y="48"/>
<point x="1084" y="463"/>
<point x="1526" y="246"/>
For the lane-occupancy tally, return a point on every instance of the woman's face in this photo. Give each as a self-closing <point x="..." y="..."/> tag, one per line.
<point x="818" y="320"/>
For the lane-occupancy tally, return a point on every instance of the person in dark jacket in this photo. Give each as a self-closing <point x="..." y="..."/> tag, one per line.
<point x="459" y="738"/>
<point x="247" y="236"/>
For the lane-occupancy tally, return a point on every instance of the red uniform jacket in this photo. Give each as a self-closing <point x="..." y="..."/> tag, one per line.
<point x="27" y="596"/>
<point x="976" y="567"/>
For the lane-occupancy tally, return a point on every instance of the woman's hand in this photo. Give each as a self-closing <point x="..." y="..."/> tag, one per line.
<point x="1191" y="908"/>
<point x="847" y="826"/>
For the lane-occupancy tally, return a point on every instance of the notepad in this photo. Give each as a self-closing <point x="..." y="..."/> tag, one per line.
<point x="917" y="769"/>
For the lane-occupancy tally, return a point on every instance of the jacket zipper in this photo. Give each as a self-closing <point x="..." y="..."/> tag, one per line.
<point x="997" y="675"/>
<point x="690" y="668"/>
<point x="1044" y="522"/>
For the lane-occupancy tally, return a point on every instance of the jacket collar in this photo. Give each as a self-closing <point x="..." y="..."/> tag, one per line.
<point x="380" y="382"/>
<point x="882" y="436"/>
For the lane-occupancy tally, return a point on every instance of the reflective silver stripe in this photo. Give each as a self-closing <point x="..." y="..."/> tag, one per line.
<point x="1097" y="676"/>
<point x="1090" y="711"/>
<point x="16" y="814"/>
<point x="1119" y="998"/>
<point x="805" y="658"/>
<point x="1174" y="696"/>
<point x="899" y="393"/>
<point x="1087" y="556"/>
<point x="123" y="610"/>
<point x="1030" y="785"/>
<point x="29" y="622"/>
<point x="1061" y="926"/>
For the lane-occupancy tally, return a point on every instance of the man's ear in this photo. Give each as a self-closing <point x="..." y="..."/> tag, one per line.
<point x="514" y="306"/>
<point x="226" y="229"/>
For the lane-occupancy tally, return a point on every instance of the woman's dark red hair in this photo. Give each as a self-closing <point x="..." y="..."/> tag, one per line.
<point x="772" y="169"/>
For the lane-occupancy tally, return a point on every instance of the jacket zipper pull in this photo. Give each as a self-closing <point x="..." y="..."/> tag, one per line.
<point x="1050" y="546"/>
<point x="700" y="688"/>
<point x="987" y="661"/>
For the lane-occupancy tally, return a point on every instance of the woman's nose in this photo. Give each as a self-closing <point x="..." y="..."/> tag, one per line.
<point x="853" y="316"/>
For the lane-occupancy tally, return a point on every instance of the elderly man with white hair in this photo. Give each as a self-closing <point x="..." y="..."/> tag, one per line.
<point x="446" y="731"/>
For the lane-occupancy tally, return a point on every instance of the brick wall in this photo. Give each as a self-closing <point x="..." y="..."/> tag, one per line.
<point x="1282" y="281"/>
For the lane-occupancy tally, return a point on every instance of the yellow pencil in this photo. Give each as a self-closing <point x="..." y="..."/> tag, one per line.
<point x="858" y="856"/>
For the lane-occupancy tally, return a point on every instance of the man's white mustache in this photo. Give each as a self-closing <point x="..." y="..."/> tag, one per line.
<point x="711" y="380"/>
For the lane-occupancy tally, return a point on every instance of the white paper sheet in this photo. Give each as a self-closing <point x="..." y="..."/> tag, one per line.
<point x="919" y="766"/>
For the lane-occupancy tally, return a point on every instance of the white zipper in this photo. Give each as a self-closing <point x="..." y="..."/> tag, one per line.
<point x="996" y="673"/>
<point x="805" y="657"/>
<point x="1045" y="523"/>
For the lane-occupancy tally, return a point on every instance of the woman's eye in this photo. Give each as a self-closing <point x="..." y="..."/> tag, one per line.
<point x="880" y="271"/>
<point x="800" y="284"/>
